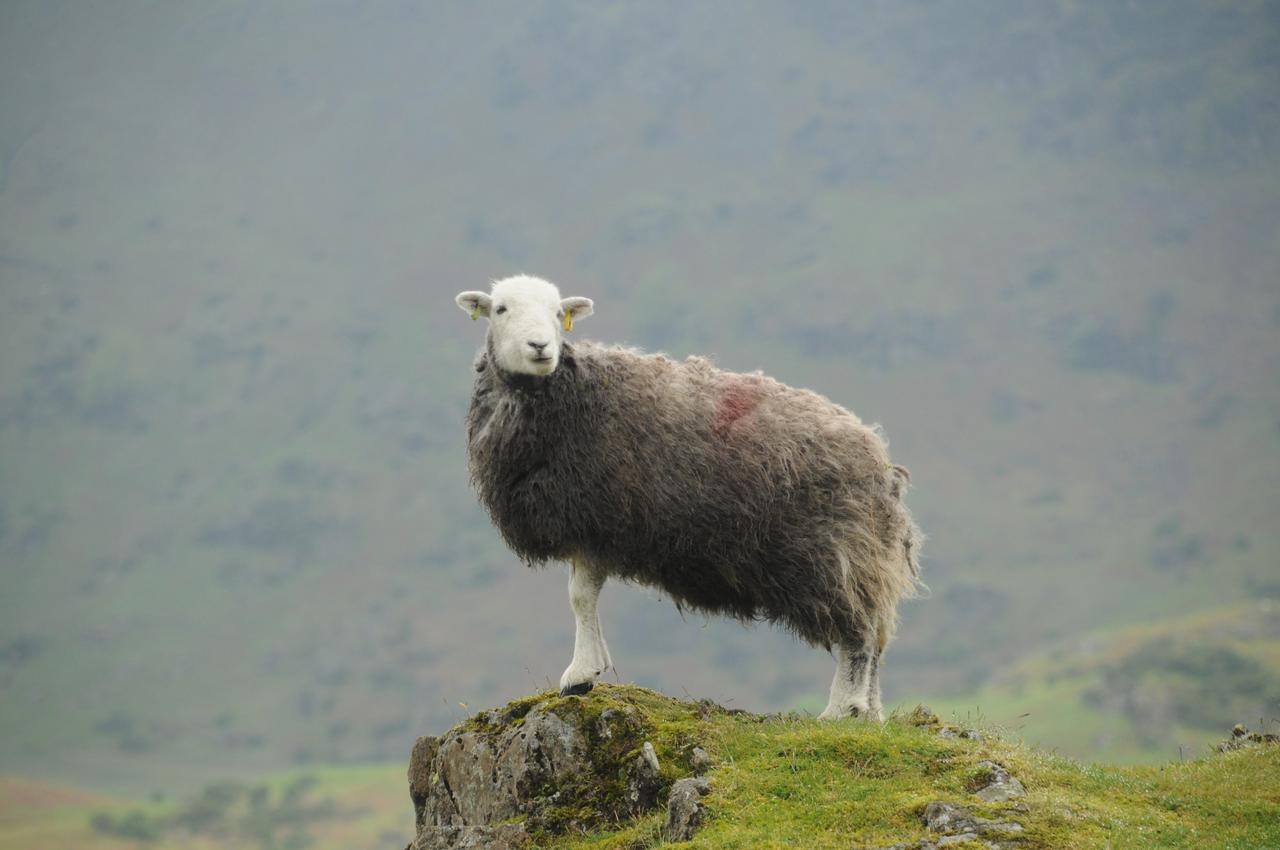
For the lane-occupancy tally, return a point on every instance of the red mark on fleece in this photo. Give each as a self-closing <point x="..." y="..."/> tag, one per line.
<point x="739" y="395"/>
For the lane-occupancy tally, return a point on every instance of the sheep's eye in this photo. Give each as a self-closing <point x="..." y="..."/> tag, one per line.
<point x="500" y="310"/>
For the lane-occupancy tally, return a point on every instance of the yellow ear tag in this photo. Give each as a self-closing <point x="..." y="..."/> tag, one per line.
<point x="568" y="320"/>
<point x="475" y="312"/>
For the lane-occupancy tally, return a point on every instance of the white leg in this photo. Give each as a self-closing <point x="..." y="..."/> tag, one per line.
<point x="590" y="654"/>
<point x="851" y="688"/>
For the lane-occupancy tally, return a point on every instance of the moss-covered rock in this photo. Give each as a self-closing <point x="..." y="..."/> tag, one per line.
<point x="548" y="765"/>
<point x="574" y="774"/>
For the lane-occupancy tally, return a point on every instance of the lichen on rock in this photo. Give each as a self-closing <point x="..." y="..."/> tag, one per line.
<point x="997" y="784"/>
<point x="548" y="765"/>
<point x="684" y="808"/>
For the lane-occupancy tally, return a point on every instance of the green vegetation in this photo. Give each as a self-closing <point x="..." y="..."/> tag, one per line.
<point x="229" y="810"/>
<point x="788" y="781"/>
<point x="350" y="808"/>
<point x="802" y="783"/>
<point x="635" y="716"/>
<point x="778" y="781"/>
<point x="1141" y="693"/>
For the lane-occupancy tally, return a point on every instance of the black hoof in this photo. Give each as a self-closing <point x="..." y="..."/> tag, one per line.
<point x="577" y="690"/>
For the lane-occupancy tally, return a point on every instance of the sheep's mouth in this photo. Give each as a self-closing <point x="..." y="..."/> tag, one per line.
<point x="543" y="359"/>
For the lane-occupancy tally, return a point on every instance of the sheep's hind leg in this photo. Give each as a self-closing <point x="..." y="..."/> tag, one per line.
<point x="874" y="709"/>
<point x="855" y="689"/>
<point x="590" y="654"/>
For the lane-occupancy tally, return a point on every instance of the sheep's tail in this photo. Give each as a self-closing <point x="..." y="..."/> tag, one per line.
<point x="913" y="537"/>
<point x="890" y="566"/>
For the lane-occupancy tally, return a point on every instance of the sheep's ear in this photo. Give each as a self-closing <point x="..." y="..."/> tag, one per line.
<point x="575" y="308"/>
<point x="476" y="304"/>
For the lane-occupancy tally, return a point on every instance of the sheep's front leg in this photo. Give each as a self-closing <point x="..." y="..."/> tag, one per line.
<point x="590" y="655"/>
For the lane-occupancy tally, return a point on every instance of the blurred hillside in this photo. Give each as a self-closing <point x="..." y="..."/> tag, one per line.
<point x="1040" y="245"/>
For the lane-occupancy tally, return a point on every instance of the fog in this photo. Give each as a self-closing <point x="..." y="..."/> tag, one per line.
<point x="1039" y="244"/>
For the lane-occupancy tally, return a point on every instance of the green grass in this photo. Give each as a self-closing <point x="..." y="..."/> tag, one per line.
<point x="795" y="782"/>
<point x="808" y="784"/>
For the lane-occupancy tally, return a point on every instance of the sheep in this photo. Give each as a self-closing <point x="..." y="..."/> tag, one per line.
<point x="733" y="493"/>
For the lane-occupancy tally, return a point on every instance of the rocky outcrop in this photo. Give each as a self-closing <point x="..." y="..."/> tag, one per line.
<point x="501" y="837"/>
<point x="699" y="760"/>
<point x="545" y="766"/>
<point x="925" y="718"/>
<point x="923" y="715"/>
<point x="684" y="808"/>
<point x="494" y="772"/>
<point x="952" y="824"/>
<point x="998" y="785"/>
<point x="549" y="765"/>
<point x="644" y="780"/>
<point x="1241" y="738"/>
<point x="957" y="825"/>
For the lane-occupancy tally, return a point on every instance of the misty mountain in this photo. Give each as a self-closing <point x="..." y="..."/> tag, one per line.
<point x="1038" y="244"/>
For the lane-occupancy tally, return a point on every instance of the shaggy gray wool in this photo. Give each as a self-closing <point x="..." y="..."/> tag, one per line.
<point x="734" y="493"/>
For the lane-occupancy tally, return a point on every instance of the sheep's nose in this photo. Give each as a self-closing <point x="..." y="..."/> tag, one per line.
<point x="538" y="346"/>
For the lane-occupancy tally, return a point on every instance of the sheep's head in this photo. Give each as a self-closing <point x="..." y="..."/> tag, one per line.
<point x="526" y="319"/>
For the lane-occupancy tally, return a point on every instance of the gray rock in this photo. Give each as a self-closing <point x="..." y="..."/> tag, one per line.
<point x="923" y="715"/>
<point x="1001" y="785"/>
<point x="699" y="761"/>
<point x="480" y="778"/>
<point x="966" y="734"/>
<point x="507" y="776"/>
<point x="502" y="837"/>
<point x="1005" y="827"/>
<point x="945" y="841"/>
<point x="1241" y="738"/>
<point x="644" y="781"/>
<point x="684" y="808"/>
<point x="958" y="824"/>
<point x="941" y="816"/>
<point x="420" y="761"/>
<point x="650" y="757"/>
<point x="948" y="840"/>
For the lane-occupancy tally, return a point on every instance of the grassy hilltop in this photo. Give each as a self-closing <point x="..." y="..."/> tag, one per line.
<point x="779" y="781"/>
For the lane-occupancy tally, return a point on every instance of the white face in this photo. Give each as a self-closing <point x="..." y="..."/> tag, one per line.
<point x="527" y="318"/>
